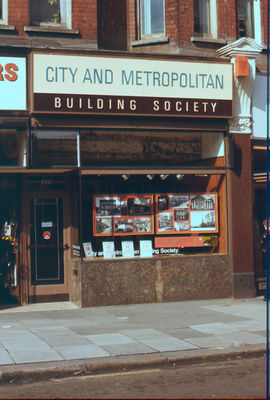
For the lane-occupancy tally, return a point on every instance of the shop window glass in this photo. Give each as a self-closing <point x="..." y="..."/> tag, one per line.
<point x="151" y="17"/>
<point x="119" y="147"/>
<point x="246" y="18"/>
<point x="12" y="148"/>
<point x="50" y="12"/>
<point x="169" y="214"/>
<point x="55" y="149"/>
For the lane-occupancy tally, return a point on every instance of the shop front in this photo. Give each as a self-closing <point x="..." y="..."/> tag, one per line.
<point x="126" y="196"/>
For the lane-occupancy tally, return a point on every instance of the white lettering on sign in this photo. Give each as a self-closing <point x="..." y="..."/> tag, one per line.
<point x="99" y="104"/>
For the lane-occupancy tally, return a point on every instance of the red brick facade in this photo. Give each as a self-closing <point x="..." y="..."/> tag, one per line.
<point x="111" y="24"/>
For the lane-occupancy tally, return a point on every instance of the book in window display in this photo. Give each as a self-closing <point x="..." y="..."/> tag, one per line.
<point x="123" y="215"/>
<point x="186" y="213"/>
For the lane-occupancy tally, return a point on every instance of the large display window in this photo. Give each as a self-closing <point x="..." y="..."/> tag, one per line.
<point x="149" y="216"/>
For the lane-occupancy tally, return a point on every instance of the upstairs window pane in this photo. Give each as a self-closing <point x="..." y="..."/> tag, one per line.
<point x="202" y="17"/>
<point x="4" y="12"/>
<point x="45" y="12"/>
<point x="246" y="18"/>
<point x="152" y="17"/>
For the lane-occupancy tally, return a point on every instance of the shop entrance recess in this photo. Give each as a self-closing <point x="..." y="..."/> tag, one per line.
<point x="46" y="236"/>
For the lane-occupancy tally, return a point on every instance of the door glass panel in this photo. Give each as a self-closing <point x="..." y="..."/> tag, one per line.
<point x="47" y="241"/>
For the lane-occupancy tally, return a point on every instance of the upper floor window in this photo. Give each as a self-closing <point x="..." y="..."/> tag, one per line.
<point x="205" y="18"/>
<point x="151" y="21"/>
<point x="3" y="12"/>
<point x="249" y="19"/>
<point x="245" y="18"/>
<point x="50" y="12"/>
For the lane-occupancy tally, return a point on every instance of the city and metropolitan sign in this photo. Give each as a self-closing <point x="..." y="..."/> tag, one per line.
<point x="130" y="86"/>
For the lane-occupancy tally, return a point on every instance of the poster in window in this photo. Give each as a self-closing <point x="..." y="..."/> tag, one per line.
<point x="128" y="249"/>
<point x="106" y="206"/>
<point x="203" y="221"/>
<point x="123" y="225"/>
<point x="143" y="225"/>
<point x="165" y="222"/>
<point x="139" y="206"/>
<point x="202" y="202"/>
<point x="125" y="214"/>
<point x="146" y="248"/>
<point x="104" y="226"/>
<point x="186" y="213"/>
<point x="108" y="249"/>
<point x="163" y="203"/>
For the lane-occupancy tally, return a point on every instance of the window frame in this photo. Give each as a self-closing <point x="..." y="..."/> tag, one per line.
<point x="142" y="36"/>
<point x="4" y="19"/>
<point x="257" y="32"/>
<point x="257" y="21"/>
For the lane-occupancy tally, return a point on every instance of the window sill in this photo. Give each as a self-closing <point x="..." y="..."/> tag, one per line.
<point x="204" y="39"/>
<point x="149" y="41"/>
<point x="7" y="28"/>
<point x="50" y="29"/>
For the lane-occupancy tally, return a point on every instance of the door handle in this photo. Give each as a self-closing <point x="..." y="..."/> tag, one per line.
<point x="65" y="246"/>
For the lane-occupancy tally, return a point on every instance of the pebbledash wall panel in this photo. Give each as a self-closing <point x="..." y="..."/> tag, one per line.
<point x="101" y="283"/>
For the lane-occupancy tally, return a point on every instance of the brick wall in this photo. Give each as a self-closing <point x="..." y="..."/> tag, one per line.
<point x="84" y="18"/>
<point x="112" y="24"/>
<point x="18" y="15"/>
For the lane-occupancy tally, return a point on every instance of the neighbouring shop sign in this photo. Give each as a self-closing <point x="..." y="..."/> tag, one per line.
<point x="130" y="86"/>
<point x="13" y="83"/>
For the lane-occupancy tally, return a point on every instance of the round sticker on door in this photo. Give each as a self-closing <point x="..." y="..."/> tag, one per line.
<point x="46" y="235"/>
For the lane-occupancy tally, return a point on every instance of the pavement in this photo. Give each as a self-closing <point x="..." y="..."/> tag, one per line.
<point x="44" y="340"/>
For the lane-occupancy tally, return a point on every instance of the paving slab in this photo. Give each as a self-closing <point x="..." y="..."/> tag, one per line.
<point x="5" y="357"/>
<point x="168" y="344"/>
<point x="213" y="342"/>
<point x="144" y="334"/>
<point x="252" y="325"/>
<point x="81" y="352"/>
<point x="127" y="348"/>
<point x="109" y="338"/>
<point x="215" y="328"/>
<point x="33" y="356"/>
<point x="243" y="338"/>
